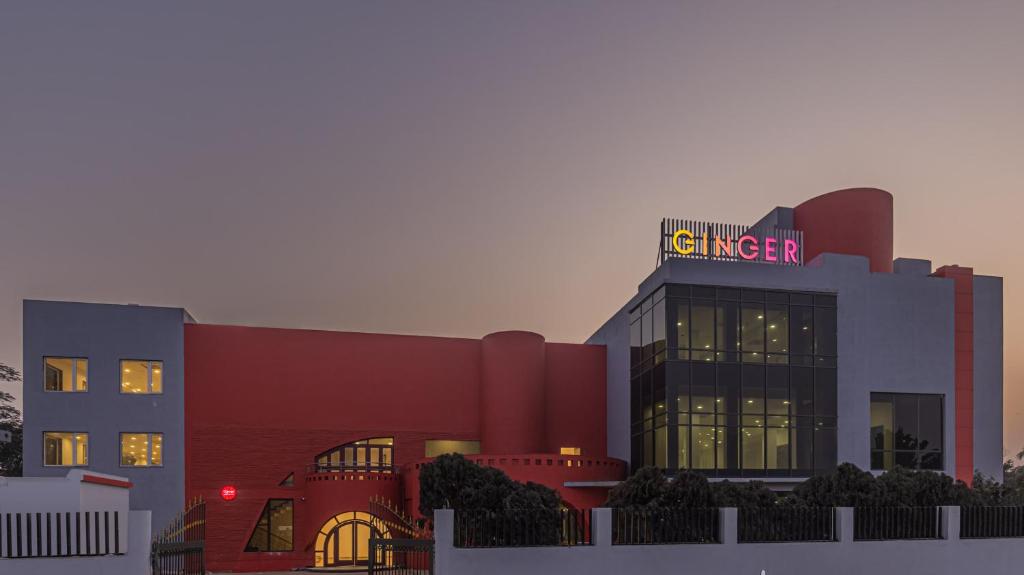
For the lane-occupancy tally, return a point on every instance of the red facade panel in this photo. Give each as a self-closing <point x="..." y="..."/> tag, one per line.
<point x="963" y="350"/>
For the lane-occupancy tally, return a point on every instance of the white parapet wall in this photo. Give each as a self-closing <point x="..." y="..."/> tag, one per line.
<point x="79" y="523"/>
<point x="949" y="555"/>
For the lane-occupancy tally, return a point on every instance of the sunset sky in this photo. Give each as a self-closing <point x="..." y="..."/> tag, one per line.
<point x="458" y="168"/>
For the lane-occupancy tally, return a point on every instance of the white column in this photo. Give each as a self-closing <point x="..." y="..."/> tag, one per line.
<point x="601" y="527"/>
<point x="951" y="522"/>
<point x="728" y="523"/>
<point x="844" y="524"/>
<point x="444" y="540"/>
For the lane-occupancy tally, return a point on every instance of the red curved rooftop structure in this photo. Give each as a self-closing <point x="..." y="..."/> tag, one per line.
<point x="854" y="221"/>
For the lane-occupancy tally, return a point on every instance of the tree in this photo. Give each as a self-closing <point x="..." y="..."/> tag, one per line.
<point x="10" y="420"/>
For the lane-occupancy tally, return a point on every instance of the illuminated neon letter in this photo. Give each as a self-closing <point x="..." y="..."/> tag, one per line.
<point x="790" y="248"/>
<point x="688" y="242"/>
<point x="739" y="247"/>
<point x="721" y="246"/>
<point x="769" y="249"/>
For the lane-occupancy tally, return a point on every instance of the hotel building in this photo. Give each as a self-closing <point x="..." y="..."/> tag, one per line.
<point x="770" y="351"/>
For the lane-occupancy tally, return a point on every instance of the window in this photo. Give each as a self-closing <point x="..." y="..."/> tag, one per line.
<point x="141" y="376"/>
<point x="65" y="374"/>
<point x="748" y="387"/>
<point x="373" y="455"/>
<point x="275" y="528"/>
<point x="569" y="450"/>
<point x="435" y="447"/>
<point x="65" y="449"/>
<point x="906" y="431"/>
<point x="142" y="449"/>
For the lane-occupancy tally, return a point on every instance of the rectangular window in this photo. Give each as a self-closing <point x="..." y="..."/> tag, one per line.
<point x="65" y="374"/>
<point x="65" y="449"/>
<point x="142" y="376"/>
<point x="702" y="329"/>
<point x="142" y="449"/>
<point x="752" y="324"/>
<point x="906" y="431"/>
<point x="275" y="529"/>
<point x="703" y="447"/>
<point x="777" y="318"/>
<point x="436" y="447"/>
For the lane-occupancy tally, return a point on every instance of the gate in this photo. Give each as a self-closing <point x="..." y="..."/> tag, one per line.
<point x="179" y="548"/>
<point x="401" y="557"/>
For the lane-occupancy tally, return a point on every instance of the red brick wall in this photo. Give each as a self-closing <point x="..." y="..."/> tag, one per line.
<point x="262" y="403"/>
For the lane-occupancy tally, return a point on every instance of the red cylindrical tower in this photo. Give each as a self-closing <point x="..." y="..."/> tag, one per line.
<point x="512" y="393"/>
<point x="855" y="221"/>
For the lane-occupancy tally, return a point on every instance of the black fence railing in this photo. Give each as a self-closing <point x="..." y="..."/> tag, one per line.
<point x="62" y="534"/>
<point x="401" y="557"/>
<point x="991" y="522"/>
<point x="180" y="548"/>
<point x="357" y="467"/>
<point x="888" y="523"/>
<point x="783" y="524"/>
<point x="522" y="528"/>
<point x="657" y="526"/>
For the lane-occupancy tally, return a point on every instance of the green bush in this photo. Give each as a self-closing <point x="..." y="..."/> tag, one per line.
<point x="453" y="482"/>
<point x="650" y="488"/>
<point x="846" y="486"/>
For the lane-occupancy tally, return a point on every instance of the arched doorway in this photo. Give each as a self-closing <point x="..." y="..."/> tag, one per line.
<point x="344" y="540"/>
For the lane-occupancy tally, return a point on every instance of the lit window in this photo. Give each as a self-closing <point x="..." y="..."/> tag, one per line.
<point x="65" y="374"/>
<point x="65" y="449"/>
<point x="142" y="449"/>
<point x="373" y="455"/>
<point x="140" y="376"/>
<point x="569" y="450"/>
<point x="436" y="447"/>
<point x="275" y="528"/>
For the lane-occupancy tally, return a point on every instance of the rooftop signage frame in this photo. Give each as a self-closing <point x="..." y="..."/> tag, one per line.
<point x="730" y="242"/>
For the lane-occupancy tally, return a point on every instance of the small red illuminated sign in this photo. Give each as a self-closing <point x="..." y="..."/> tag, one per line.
<point x="228" y="492"/>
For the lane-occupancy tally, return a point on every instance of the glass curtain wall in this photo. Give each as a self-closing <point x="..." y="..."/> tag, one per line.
<point x="734" y="382"/>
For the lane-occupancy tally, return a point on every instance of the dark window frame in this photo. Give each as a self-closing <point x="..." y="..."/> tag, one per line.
<point x="266" y="514"/>
<point x="917" y="453"/>
<point x="644" y="419"/>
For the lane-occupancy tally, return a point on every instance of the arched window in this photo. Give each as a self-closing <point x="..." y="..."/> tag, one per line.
<point x="344" y="540"/>
<point x="368" y="455"/>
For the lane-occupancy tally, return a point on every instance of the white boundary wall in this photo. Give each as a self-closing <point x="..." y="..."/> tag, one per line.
<point x="80" y="491"/>
<point x="947" y="556"/>
<point x="134" y="562"/>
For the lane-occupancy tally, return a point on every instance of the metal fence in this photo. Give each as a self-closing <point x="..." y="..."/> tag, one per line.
<point x="653" y="527"/>
<point x="991" y="522"/>
<point x="401" y="557"/>
<point x="887" y="523"/>
<point x="179" y="548"/>
<point x="523" y="528"/>
<point x="61" y="534"/>
<point x="782" y="524"/>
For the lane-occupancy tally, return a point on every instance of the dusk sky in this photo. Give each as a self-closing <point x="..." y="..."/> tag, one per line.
<point x="459" y="168"/>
